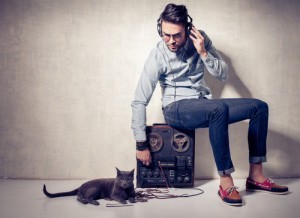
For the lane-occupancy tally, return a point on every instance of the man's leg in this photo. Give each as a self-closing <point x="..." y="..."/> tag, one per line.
<point x="257" y="112"/>
<point x="199" y="113"/>
<point x="217" y="114"/>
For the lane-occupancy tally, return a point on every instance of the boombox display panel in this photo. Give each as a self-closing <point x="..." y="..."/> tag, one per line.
<point x="173" y="159"/>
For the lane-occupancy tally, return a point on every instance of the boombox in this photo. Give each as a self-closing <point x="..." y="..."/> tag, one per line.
<point x="173" y="158"/>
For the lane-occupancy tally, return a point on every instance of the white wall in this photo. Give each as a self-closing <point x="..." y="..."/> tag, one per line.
<point x="68" y="70"/>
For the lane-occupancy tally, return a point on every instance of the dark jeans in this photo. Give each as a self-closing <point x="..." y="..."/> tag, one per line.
<point x="217" y="114"/>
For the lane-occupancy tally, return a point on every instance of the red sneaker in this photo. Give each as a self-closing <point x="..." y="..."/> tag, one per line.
<point x="267" y="186"/>
<point x="230" y="196"/>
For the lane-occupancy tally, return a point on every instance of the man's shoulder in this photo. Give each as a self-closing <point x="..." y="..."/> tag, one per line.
<point x="207" y="40"/>
<point x="158" y="49"/>
<point x="203" y="33"/>
<point x="159" y="46"/>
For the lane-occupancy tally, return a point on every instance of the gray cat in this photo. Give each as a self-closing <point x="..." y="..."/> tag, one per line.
<point x="119" y="189"/>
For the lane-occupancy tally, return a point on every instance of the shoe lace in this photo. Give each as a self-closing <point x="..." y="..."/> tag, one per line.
<point x="270" y="180"/>
<point x="232" y="189"/>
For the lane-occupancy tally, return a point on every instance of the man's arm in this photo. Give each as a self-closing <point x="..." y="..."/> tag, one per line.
<point x="143" y="93"/>
<point x="213" y="61"/>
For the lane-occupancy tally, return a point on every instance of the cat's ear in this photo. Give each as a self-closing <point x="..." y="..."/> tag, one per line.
<point x="132" y="172"/>
<point x="118" y="171"/>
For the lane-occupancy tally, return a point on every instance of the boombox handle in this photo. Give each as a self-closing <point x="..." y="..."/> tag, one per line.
<point x="160" y="124"/>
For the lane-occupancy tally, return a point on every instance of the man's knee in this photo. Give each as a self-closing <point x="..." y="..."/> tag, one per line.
<point x="220" y="109"/>
<point x="261" y="105"/>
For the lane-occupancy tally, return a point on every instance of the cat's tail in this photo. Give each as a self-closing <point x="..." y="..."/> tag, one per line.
<point x="60" y="194"/>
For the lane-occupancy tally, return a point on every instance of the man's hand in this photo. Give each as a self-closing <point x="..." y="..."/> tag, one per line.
<point x="198" y="41"/>
<point x="144" y="156"/>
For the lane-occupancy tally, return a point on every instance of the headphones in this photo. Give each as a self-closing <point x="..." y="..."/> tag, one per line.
<point x="188" y="26"/>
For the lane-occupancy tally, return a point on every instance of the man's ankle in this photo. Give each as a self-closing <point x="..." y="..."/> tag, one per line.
<point x="226" y="181"/>
<point x="256" y="173"/>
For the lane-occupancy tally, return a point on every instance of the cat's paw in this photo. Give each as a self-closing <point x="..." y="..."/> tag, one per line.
<point x="131" y="200"/>
<point x="122" y="201"/>
<point x="94" y="202"/>
<point x="82" y="200"/>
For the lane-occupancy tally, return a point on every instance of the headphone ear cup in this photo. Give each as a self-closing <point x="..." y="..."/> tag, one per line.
<point x="188" y="28"/>
<point x="159" y="27"/>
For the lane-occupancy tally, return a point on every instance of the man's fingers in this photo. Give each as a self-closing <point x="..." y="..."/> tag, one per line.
<point x="196" y="33"/>
<point x="146" y="162"/>
<point x="144" y="157"/>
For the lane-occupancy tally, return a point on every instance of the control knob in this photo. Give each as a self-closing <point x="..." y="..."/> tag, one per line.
<point x="179" y="179"/>
<point x="150" y="174"/>
<point x="186" y="179"/>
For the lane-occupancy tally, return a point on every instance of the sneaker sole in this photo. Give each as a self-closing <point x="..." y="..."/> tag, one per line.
<point x="266" y="191"/>
<point x="230" y="204"/>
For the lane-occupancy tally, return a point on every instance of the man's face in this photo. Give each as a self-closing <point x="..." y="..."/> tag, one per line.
<point x="173" y="35"/>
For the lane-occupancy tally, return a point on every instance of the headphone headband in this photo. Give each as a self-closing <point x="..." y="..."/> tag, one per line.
<point x="188" y="25"/>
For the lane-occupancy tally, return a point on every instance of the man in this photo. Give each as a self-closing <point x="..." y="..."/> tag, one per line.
<point x="177" y="63"/>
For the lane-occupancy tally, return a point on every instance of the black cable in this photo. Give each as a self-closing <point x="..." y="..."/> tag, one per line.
<point x="155" y="193"/>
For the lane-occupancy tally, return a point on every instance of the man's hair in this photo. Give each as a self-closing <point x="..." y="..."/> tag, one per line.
<point x="176" y="14"/>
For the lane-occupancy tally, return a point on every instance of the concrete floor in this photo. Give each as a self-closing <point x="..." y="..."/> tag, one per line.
<point x="24" y="198"/>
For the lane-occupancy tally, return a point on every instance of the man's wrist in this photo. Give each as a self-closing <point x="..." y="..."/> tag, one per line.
<point x="141" y="146"/>
<point x="204" y="54"/>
